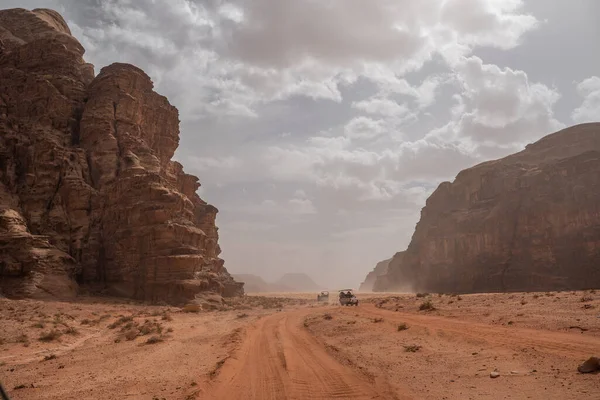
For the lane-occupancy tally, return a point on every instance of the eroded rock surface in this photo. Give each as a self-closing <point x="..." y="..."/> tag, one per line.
<point x="527" y="222"/>
<point x="88" y="191"/>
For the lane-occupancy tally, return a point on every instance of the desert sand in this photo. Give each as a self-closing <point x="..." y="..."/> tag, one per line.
<point x="288" y="346"/>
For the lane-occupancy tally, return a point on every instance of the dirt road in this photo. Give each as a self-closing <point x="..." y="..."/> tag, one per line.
<point x="279" y="359"/>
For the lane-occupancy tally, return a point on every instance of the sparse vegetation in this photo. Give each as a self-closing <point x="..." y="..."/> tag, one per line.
<point x="39" y="325"/>
<point x="327" y="317"/>
<point x="523" y="302"/>
<point x="413" y="348"/>
<point x="50" y="357"/>
<point x="420" y="295"/>
<point x="427" y="306"/>
<point x="131" y="334"/>
<point x="166" y="317"/>
<point x="154" y="339"/>
<point x="122" y="320"/>
<point x="377" y="320"/>
<point x="23" y="338"/>
<point x="50" y="335"/>
<point x="242" y="315"/>
<point x="586" y="299"/>
<point x="402" y="327"/>
<point x="71" y="330"/>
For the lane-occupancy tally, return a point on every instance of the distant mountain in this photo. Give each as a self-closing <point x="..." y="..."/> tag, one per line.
<point x="256" y="284"/>
<point x="298" y="282"/>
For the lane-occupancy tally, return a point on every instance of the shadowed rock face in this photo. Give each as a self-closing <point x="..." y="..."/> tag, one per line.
<point x="530" y="221"/>
<point x="88" y="191"/>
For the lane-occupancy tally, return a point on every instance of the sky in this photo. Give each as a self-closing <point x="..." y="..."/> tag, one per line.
<point x="320" y="127"/>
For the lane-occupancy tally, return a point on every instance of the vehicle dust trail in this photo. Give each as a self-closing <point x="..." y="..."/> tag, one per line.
<point x="279" y="359"/>
<point x="568" y="345"/>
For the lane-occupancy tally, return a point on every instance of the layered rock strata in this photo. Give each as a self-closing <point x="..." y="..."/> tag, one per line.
<point x="527" y="222"/>
<point x="88" y="191"/>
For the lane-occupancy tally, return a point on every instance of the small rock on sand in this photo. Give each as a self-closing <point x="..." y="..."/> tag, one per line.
<point x="589" y="366"/>
<point x="494" y="374"/>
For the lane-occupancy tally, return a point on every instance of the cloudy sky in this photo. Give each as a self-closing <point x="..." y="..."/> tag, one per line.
<point x="319" y="127"/>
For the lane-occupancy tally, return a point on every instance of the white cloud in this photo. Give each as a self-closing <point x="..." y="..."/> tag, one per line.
<point x="589" y="111"/>
<point x="364" y="128"/>
<point x="239" y="54"/>
<point x="499" y="106"/>
<point x="381" y="106"/>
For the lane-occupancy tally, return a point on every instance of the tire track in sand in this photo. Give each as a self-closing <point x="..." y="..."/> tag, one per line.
<point x="279" y="359"/>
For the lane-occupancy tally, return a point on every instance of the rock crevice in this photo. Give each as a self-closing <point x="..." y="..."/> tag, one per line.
<point x="88" y="191"/>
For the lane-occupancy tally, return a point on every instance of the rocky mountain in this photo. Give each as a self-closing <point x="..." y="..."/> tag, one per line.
<point x="527" y="222"/>
<point x="88" y="191"/>
<point x="297" y="282"/>
<point x="292" y="282"/>
<point x="380" y="269"/>
<point x="255" y="284"/>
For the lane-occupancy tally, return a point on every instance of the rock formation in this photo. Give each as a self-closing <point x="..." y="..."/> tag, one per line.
<point x="88" y="191"/>
<point x="527" y="222"/>
<point x="380" y="269"/>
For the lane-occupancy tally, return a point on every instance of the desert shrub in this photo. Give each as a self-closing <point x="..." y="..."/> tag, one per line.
<point x="586" y="299"/>
<point x="242" y="315"/>
<point x="327" y="317"/>
<point x="39" y="325"/>
<point x="154" y="339"/>
<point x="50" y="335"/>
<point x="150" y="327"/>
<point x="71" y="331"/>
<point x="50" y="357"/>
<point x="426" y="306"/>
<point x="122" y="320"/>
<point x="402" y="327"/>
<point x="413" y="348"/>
<point x="23" y="338"/>
<point x="377" y="320"/>
<point x="131" y="334"/>
<point x="167" y="317"/>
<point x="419" y="295"/>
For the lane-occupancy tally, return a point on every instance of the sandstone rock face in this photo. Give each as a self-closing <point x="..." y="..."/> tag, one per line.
<point x="88" y="191"/>
<point x="527" y="222"/>
<point x="380" y="269"/>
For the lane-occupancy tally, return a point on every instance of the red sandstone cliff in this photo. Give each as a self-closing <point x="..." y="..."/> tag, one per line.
<point x="527" y="222"/>
<point x="88" y="191"/>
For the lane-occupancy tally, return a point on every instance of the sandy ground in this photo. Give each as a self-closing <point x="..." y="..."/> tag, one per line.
<point x="285" y="346"/>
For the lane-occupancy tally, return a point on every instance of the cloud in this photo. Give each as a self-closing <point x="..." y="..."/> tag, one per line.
<point x="589" y="111"/>
<point x="239" y="54"/>
<point x="498" y="106"/>
<point x="363" y="128"/>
